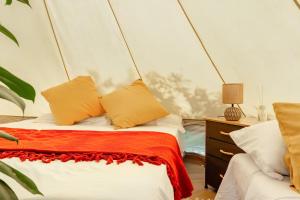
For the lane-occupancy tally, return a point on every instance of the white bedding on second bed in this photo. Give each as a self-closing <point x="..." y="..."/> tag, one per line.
<point x="245" y="181"/>
<point x="91" y="180"/>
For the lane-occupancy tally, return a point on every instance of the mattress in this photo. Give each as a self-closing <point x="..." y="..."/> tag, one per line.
<point x="92" y="180"/>
<point x="245" y="181"/>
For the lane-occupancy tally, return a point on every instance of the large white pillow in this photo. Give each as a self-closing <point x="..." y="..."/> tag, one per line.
<point x="265" y="145"/>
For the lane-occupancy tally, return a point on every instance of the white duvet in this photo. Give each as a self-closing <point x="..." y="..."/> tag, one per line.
<point x="91" y="180"/>
<point x="245" y="181"/>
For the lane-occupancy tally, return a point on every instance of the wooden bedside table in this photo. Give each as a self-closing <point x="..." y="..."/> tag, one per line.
<point x="220" y="147"/>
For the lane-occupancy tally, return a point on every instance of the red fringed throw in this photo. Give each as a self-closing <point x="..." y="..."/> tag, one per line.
<point x="64" y="145"/>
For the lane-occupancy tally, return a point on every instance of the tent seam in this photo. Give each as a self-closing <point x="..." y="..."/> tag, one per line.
<point x="124" y="39"/>
<point x="200" y="40"/>
<point x="297" y="3"/>
<point x="204" y="48"/>
<point x="56" y="40"/>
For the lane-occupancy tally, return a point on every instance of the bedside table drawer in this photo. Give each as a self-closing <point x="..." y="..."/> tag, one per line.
<point x="221" y="150"/>
<point x="220" y="131"/>
<point x="220" y="147"/>
<point x="215" y="170"/>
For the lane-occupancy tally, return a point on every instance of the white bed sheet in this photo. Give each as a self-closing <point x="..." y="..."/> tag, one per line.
<point x="91" y="180"/>
<point x="245" y="181"/>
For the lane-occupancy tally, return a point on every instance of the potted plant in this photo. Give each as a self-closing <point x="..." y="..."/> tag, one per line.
<point x="15" y="91"/>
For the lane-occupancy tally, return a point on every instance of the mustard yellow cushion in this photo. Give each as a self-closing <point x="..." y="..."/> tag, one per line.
<point x="132" y="105"/>
<point x="288" y="116"/>
<point x="74" y="101"/>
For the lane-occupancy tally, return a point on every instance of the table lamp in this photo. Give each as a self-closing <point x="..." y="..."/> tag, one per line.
<point x="232" y="94"/>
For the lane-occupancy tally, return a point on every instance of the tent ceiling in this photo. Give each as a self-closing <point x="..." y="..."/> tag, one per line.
<point x="254" y="42"/>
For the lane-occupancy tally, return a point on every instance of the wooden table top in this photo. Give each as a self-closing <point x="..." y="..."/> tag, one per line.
<point x="247" y="121"/>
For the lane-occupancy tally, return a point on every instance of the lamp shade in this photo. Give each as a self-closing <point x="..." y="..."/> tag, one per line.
<point x="232" y="93"/>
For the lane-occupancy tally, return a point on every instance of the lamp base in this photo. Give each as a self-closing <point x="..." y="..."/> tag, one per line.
<point x="232" y="114"/>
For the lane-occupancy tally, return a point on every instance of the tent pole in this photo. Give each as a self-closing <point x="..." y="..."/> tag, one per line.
<point x="200" y="40"/>
<point x="204" y="48"/>
<point x="297" y="3"/>
<point x="123" y="36"/>
<point x="56" y="40"/>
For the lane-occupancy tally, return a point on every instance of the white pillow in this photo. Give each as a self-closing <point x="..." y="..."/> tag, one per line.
<point x="265" y="145"/>
<point x="94" y="121"/>
<point x="170" y="120"/>
<point x="44" y="118"/>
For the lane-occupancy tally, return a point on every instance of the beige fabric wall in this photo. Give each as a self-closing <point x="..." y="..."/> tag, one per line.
<point x="256" y="42"/>
<point x="169" y="56"/>
<point x="37" y="60"/>
<point x="91" y="42"/>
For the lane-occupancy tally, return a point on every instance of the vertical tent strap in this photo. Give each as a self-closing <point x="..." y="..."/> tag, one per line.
<point x="297" y="3"/>
<point x="56" y="40"/>
<point x="123" y="36"/>
<point x="203" y="46"/>
<point x="200" y="40"/>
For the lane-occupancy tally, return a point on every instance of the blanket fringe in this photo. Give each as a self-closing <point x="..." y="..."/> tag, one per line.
<point x="109" y="157"/>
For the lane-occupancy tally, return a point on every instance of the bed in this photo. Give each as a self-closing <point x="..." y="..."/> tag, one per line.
<point x="245" y="181"/>
<point x="93" y="180"/>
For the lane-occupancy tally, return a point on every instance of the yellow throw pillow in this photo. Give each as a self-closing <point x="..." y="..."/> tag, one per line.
<point x="74" y="101"/>
<point x="288" y="116"/>
<point x="132" y="105"/>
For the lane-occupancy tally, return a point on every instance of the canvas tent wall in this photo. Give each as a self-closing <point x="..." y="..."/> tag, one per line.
<point x="254" y="42"/>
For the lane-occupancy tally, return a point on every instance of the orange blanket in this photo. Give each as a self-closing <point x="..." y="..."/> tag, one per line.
<point x="64" y="145"/>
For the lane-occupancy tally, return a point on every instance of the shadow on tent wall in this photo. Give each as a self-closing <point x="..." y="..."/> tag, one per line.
<point x="176" y="93"/>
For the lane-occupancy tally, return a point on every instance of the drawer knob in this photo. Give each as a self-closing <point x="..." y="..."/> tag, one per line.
<point x="221" y="176"/>
<point x="226" y="153"/>
<point x="224" y="133"/>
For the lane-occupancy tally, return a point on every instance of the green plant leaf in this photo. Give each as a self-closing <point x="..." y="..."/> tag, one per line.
<point x="22" y="179"/>
<point x="23" y="89"/>
<point x="8" y="2"/>
<point x="8" y="137"/>
<point x="8" y="34"/>
<point x="9" y="95"/>
<point x="25" y="2"/>
<point x="6" y="192"/>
